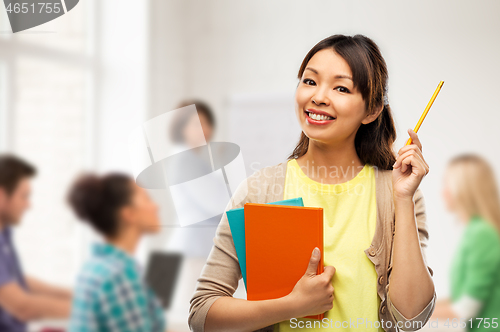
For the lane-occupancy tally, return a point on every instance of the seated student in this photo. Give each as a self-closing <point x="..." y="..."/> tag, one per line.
<point x="22" y="299"/>
<point x="110" y="294"/>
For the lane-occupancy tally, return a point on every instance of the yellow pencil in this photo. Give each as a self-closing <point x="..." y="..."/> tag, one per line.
<point x="426" y="110"/>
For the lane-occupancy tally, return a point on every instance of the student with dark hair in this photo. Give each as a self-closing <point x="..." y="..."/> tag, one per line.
<point x="375" y="230"/>
<point x="22" y="298"/>
<point x="110" y="293"/>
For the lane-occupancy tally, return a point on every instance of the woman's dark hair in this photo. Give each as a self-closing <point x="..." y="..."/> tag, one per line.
<point x="179" y="123"/>
<point x="373" y="141"/>
<point x="97" y="200"/>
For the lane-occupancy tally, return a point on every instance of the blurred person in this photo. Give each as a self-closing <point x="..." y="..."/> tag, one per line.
<point x="470" y="192"/>
<point x="22" y="298"/>
<point x="110" y="292"/>
<point x="193" y="241"/>
<point x="342" y="107"/>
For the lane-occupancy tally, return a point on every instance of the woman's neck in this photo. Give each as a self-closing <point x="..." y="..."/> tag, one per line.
<point x="127" y="240"/>
<point x="330" y="164"/>
<point x="464" y="217"/>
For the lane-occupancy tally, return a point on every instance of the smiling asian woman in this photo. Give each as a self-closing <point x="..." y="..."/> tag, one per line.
<point x="374" y="214"/>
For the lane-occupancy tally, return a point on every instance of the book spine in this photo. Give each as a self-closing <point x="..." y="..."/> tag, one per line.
<point x="321" y="261"/>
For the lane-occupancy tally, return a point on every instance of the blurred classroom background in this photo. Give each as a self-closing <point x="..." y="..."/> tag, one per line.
<point x="72" y="90"/>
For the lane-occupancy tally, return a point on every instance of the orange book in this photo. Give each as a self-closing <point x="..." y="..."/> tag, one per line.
<point x="279" y="243"/>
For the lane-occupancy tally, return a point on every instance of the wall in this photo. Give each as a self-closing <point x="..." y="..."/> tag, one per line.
<point x="222" y="48"/>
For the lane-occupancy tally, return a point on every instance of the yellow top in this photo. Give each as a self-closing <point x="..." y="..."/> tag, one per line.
<point x="350" y="216"/>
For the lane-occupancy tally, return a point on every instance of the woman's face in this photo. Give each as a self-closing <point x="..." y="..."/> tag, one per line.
<point x="143" y="211"/>
<point x="192" y="135"/>
<point x="327" y="106"/>
<point x="447" y="195"/>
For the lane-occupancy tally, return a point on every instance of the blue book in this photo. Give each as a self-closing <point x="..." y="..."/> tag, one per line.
<point x="236" y="219"/>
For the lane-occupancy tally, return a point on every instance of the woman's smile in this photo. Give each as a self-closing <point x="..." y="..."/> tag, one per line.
<point x="317" y="117"/>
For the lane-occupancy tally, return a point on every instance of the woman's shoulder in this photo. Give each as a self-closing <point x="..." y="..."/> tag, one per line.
<point x="481" y="242"/>
<point x="98" y="272"/>
<point x="255" y="187"/>
<point x="271" y="171"/>
<point x="265" y="175"/>
<point x="383" y="181"/>
<point x="481" y="231"/>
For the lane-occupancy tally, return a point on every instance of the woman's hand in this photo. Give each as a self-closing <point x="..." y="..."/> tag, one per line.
<point x="313" y="293"/>
<point x="409" y="169"/>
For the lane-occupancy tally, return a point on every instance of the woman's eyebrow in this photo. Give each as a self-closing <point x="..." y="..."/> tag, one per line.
<point x="336" y="76"/>
<point x="344" y="76"/>
<point x="311" y="69"/>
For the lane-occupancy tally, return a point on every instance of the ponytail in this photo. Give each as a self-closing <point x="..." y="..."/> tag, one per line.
<point x="374" y="141"/>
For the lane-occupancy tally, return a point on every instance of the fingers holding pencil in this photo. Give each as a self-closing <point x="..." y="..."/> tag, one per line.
<point x="414" y="138"/>
<point x="415" y="150"/>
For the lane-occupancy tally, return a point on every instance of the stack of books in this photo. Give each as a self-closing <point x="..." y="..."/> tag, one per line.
<point x="274" y="243"/>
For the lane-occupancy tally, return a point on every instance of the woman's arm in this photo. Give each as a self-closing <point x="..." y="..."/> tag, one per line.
<point x="443" y="310"/>
<point x="221" y="273"/>
<point x="313" y="294"/>
<point x="466" y="308"/>
<point x="411" y="289"/>
<point x="214" y="309"/>
<point x="230" y="314"/>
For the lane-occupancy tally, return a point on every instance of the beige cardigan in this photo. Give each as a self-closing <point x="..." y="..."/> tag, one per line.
<point x="221" y="273"/>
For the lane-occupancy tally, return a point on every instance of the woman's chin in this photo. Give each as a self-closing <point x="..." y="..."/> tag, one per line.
<point x="153" y="229"/>
<point x="318" y="135"/>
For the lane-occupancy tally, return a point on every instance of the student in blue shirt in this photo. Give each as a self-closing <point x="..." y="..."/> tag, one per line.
<point x="22" y="298"/>
<point x="110" y="293"/>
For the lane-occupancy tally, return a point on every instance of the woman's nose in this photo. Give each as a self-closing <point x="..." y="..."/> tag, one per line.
<point x="320" y="98"/>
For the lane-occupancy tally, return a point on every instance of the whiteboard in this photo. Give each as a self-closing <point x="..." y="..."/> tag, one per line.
<point x="265" y="127"/>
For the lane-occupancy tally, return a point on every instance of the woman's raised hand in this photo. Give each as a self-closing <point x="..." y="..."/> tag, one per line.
<point x="313" y="293"/>
<point x="409" y="169"/>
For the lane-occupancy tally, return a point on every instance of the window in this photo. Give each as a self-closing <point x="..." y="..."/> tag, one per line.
<point x="46" y="86"/>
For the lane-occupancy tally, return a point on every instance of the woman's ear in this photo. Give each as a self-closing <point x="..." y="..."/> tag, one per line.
<point x="373" y="115"/>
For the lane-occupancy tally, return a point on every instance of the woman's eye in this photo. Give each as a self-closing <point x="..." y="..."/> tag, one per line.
<point x="342" y="89"/>
<point x="308" y="81"/>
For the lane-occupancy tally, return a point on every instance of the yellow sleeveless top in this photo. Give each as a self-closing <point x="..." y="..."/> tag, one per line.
<point x="350" y="216"/>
